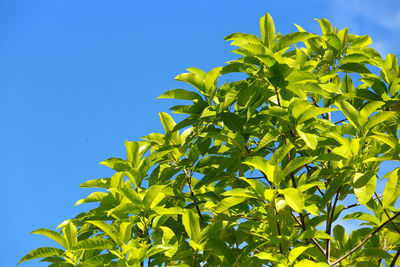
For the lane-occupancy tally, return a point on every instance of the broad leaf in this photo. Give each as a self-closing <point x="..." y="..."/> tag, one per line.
<point x="294" y="198"/>
<point x="41" y="253"/>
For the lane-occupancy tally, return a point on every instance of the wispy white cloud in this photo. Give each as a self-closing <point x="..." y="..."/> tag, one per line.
<point x="382" y="47"/>
<point x="391" y="22"/>
<point x="385" y="13"/>
<point x="367" y="17"/>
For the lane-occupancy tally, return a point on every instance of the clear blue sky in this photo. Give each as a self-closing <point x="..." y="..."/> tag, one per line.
<point x="77" y="78"/>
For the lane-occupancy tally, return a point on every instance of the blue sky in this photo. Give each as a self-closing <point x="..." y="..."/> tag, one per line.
<point x="77" y="78"/>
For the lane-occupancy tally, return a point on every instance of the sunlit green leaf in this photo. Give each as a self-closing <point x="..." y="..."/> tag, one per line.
<point x="41" y="253"/>
<point x="294" y="198"/>
<point x="392" y="188"/>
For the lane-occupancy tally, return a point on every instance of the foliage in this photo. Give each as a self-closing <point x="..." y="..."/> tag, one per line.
<point x="259" y="171"/>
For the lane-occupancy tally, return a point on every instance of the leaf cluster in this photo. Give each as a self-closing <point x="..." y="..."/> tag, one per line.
<point x="259" y="171"/>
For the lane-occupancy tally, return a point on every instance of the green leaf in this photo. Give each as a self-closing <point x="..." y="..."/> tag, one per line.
<point x="351" y="113"/>
<point x="309" y="139"/>
<point x="194" y="79"/>
<point x="296" y="252"/>
<point x="274" y="257"/>
<point x="41" y="253"/>
<point x="135" y="151"/>
<point x="70" y="234"/>
<point x="94" y="243"/>
<point x="294" y="198"/>
<point x="93" y="197"/>
<point x="362" y="216"/>
<point x="296" y="164"/>
<point x="314" y="234"/>
<point x="171" y="210"/>
<point x="298" y="107"/>
<point x="364" y="186"/>
<point x="97" y="183"/>
<point x="326" y="26"/>
<point x="313" y="112"/>
<point x="125" y="231"/>
<point x="98" y="260"/>
<point x="374" y="252"/>
<point x="309" y="263"/>
<point x="392" y="188"/>
<point x="180" y="94"/>
<point x="232" y="121"/>
<point x="244" y="37"/>
<point x="191" y="223"/>
<point x="257" y="162"/>
<point x="107" y="229"/>
<point x="210" y="81"/>
<point x="354" y="68"/>
<point x="131" y="194"/>
<point x="359" y="41"/>
<point x="125" y="208"/>
<point x="280" y="154"/>
<point x="355" y="58"/>
<point x="347" y="85"/>
<point x="370" y="108"/>
<point x="339" y="233"/>
<point x="267" y="29"/>
<point x="256" y="185"/>
<point x="116" y="164"/>
<point x="219" y="247"/>
<point x="152" y="194"/>
<point x="291" y="39"/>
<point x="169" y="124"/>
<point x="268" y="138"/>
<point x="228" y="202"/>
<point x="239" y="67"/>
<point x="53" y="235"/>
<point x="379" y="118"/>
<point x="385" y="138"/>
<point x="333" y="187"/>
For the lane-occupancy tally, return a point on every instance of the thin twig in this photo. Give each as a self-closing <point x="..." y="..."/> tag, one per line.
<point x="188" y="179"/>
<point x="312" y="239"/>
<point x="341" y="121"/>
<point x="387" y="214"/>
<point x="358" y="204"/>
<point x="365" y="240"/>
<point x="279" y="230"/>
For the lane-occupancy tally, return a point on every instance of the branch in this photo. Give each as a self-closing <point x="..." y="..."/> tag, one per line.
<point x="329" y="224"/>
<point x="395" y="258"/>
<point x="365" y="240"/>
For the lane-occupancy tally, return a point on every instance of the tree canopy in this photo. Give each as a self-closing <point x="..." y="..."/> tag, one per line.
<point x="261" y="171"/>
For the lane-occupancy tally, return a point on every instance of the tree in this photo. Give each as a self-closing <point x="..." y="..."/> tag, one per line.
<point x="261" y="170"/>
